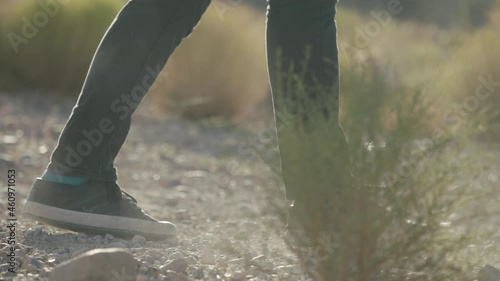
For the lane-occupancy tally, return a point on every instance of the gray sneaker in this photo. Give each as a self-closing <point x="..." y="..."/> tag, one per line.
<point x="94" y="207"/>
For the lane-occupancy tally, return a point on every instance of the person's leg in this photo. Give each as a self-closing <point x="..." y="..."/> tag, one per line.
<point x="127" y="62"/>
<point x="131" y="55"/>
<point x="302" y="41"/>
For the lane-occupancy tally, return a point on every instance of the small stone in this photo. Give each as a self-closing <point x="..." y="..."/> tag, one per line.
<point x="109" y="237"/>
<point x="238" y="276"/>
<point x="51" y="259"/>
<point x="32" y="233"/>
<point x="97" y="239"/>
<point x="182" y="215"/>
<point x="235" y="261"/>
<point x="178" y="265"/>
<point x="99" y="264"/>
<point x="22" y="252"/>
<point x="116" y="245"/>
<point x="489" y="273"/>
<point x="44" y="272"/>
<point x="9" y="139"/>
<point x="4" y="267"/>
<point x="138" y="239"/>
<point x="198" y="273"/>
<point x="149" y="259"/>
<point x="254" y="271"/>
<point x="291" y="269"/>
<point x="261" y="262"/>
<point x="175" y="276"/>
<point x="147" y="270"/>
<point x="32" y="265"/>
<point x="176" y="255"/>
<point x="4" y="163"/>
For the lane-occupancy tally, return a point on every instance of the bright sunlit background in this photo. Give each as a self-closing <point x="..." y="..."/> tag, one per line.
<point x="413" y="74"/>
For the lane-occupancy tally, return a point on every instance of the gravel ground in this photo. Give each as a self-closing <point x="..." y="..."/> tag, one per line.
<point x="202" y="177"/>
<point x="179" y="171"/>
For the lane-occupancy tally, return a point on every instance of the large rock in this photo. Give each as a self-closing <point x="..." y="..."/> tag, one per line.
<point x="98" y="264"/>
<point x="489" y="273"/>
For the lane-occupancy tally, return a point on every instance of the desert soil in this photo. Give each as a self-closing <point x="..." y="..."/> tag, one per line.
<point x="223" y="199"/>
<point x="188" y="173"/>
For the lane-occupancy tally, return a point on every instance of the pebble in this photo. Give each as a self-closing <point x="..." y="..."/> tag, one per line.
<point x="97" y="239"/>
<point x="148" y="259"/>
<point x="32" y="265"/>
<point x="489" y="273"/>
<point x="35" y="232"/>
<point x="198" y="273"/>
<point x="254" y="271"/>
<point x="109" y="237"/>
<point x="4" y="163"/>
<point x="116" y="245"/>
<point x="44" y="272"/>
<point x="176" y="255"/>
<point x="138" y="239"/>
<point x="175" y="276"/>
<point x="22" y="252"/>
<point x="238" y="260"/>
<point x="98" y="264"/>
<point x="182" y="215"/>
<point x="178" y="265"/>
<point x="238" y="276"/>
<point x="293" y="269"/>
<point x="147" y="270"/>
<point x="51" y="259"/>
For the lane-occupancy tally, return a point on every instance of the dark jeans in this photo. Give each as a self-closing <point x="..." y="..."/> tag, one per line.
<point x="137" y="46"/>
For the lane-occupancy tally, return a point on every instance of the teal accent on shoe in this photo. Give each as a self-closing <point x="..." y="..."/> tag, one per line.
<point x="63" y="179"/>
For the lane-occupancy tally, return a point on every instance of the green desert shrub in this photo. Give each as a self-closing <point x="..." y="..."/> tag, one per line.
<point x="48" y="45"/>
<point x="449" y="13"/>
<point x="470" y="83"/>
<point x="403" y="216"/>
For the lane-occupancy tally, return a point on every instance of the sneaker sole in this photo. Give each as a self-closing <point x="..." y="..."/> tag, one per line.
<point x="98" y="224"/>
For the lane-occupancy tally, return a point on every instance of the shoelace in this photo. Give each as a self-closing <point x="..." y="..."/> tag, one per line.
<point x="119" y="196"/>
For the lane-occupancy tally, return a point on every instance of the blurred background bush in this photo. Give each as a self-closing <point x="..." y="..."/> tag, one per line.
<point x="452" y="44"/>
<point x="220" y="70"/>
<point x="449" y="13"/>
<point x="53" y="55"/>
<point x="404" y="78"/>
